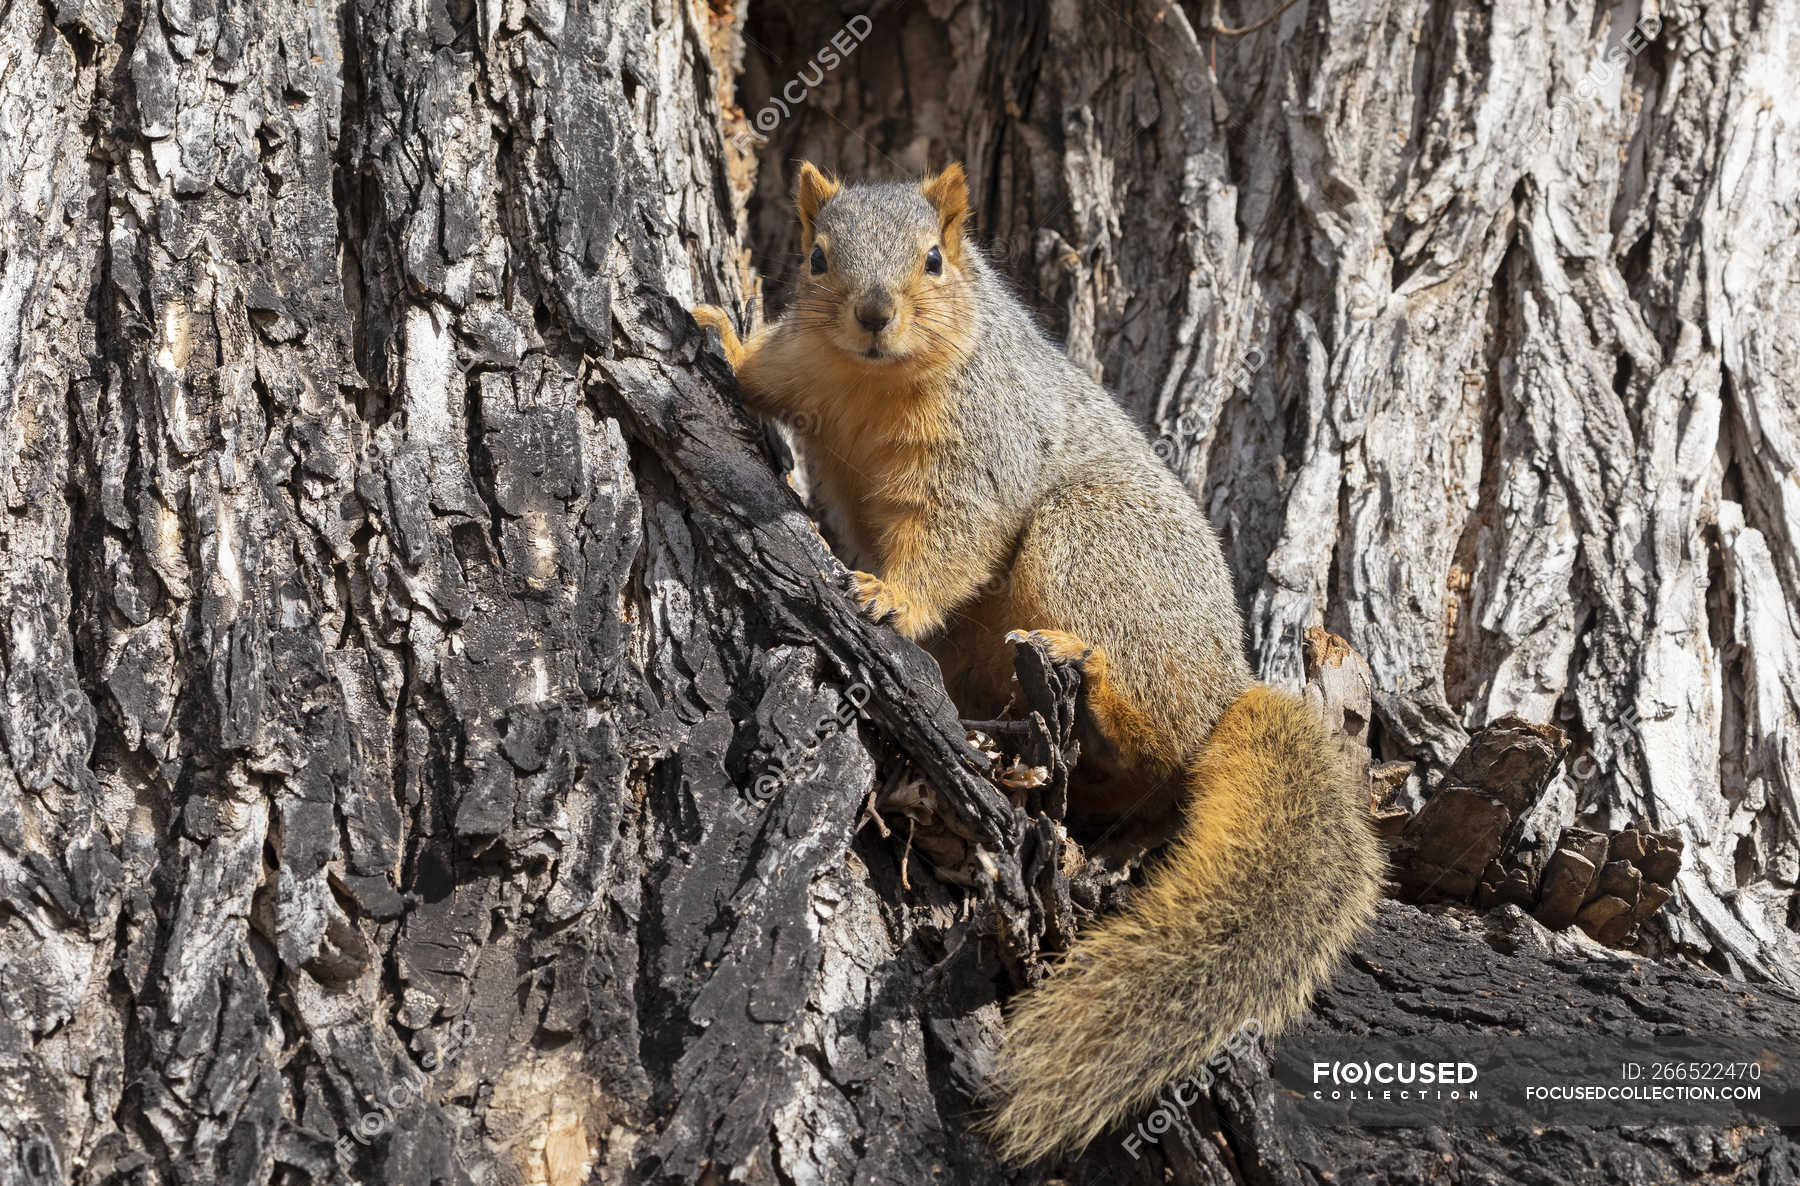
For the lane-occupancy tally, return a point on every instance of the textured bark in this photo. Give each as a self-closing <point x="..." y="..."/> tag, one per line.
<point x="435" y="748"/>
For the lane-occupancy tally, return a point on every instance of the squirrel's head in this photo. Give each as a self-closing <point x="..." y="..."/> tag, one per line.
<point x="885" y="276"/>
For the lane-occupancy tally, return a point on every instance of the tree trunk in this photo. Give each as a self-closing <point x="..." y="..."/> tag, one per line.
<point x="435" y="746"/>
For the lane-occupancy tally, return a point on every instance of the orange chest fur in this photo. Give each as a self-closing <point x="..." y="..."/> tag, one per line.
<point x="880" y="469"/>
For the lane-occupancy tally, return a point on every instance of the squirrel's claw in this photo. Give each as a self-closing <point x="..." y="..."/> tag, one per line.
<point x="713" y="317"/>
<point x="875" y="599"/>
<point x="1059" y="645"/>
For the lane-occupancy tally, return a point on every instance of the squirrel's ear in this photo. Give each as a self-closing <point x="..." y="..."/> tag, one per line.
<point x="812" y="191"/>
<point x="949" y="193"/>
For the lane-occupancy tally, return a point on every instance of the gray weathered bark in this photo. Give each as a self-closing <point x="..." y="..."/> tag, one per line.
<point x="430" y="747"/>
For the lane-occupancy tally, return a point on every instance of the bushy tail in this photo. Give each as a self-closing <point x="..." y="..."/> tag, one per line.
<point x="1276" y="870"/>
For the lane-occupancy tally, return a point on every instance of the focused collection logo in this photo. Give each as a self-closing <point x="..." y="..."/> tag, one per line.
<point x="1350" y="1079"/>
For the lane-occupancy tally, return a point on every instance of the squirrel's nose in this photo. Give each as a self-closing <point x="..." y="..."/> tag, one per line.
<point x="874" y="317"/>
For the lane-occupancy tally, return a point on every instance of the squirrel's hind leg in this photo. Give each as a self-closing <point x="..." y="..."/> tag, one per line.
<point x="1132" y="738"/>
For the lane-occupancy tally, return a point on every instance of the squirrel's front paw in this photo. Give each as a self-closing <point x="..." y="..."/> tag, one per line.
<point x="874" y="597"/>
<point x="713" y="317"/>
<point x="880" y="602"/>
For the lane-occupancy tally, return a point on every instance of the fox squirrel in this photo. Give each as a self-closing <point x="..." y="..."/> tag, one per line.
<point x="998" y="492"/>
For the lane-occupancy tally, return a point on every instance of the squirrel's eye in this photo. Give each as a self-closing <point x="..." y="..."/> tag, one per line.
<point x="818" y="261"/>
<point x="934" y="263"/>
